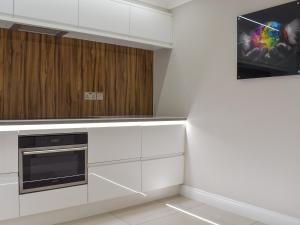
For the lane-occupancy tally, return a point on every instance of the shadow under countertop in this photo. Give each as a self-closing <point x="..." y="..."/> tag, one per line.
<point x="90" y="120"/>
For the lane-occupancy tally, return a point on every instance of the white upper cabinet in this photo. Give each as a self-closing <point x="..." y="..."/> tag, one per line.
<point x="114" y="143"/>
<point x="9" y="196"/>
<point x="104" y="15"/>
<point x="113" y="21"/>
<point x="163" y="140"/>
<point x="8" y="152"/>
<point x="6" y="7"/>
<point x="58" y="11"/>
<point x="151" y="24"/>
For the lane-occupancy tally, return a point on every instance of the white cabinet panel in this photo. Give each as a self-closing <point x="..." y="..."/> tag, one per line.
<point x="162" y="173"/>
<point x="151" y="24"/>
<point x="59" y="11"/>
<point x="52" y="200"/>
<point x="9" y="196"/>
<point x="110" y="144"/>
<point x="163" y="140"/>
<point x="8" y="152"/>
<point x="112" y="181"/>
<point x="6" y="6"/>
<point x="104" y="15"/>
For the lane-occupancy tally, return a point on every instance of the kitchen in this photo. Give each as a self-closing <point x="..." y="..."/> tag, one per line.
<point x="81" y="130"/>
<point x="99" y="118"/>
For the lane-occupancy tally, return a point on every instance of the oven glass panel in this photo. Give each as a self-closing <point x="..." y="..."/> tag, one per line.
<point x="46" y="170"/>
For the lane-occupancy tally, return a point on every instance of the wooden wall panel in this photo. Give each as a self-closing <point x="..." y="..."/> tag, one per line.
<point x="44" y="77"/>
<point x="3" y="43"/>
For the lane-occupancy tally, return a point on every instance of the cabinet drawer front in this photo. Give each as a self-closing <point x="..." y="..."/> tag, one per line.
<point x="9" y="152"/>
<point x="162" y="173"/>
<point x="111" y="144"/>
<point x="59" y="11"/>
<point x="113" y="181"/>
<point x="52" y="200"/>
<point x="163" y="140"/>
<point x="151" y="24"/>
<point x="104" y="15"/>
<point x="9" y="195"/>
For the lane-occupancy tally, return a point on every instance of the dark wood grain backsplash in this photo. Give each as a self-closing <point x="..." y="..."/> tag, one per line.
<point x="44" y="77"/>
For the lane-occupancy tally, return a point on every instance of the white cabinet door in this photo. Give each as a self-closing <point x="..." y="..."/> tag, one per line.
<point x="6" y="7"/>
<point x="8" y="152"/>
<point x="114" y="143"/>
<point x="113" y="181"/>
<point x="162" y="173"/>
<point x="52" y="200"/>
<point x="163" y="140"/>
<point x="151" y="24"/>
<point x="59" y="11"/>
<point x="104" y="15"/>
<point x="9" y="196"/>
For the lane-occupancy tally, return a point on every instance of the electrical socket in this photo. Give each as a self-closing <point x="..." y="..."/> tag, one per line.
<point x="90" y="96"/>
<point x="93" y="96"/>
<point x="100" y="96"/>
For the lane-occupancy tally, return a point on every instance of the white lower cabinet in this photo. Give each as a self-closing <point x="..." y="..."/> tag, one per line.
<point x="162" y="173"/>
<point x="114" y="143"/>
<point x="113" y="181"/>
<point x="8" y="152"/>
<point x="163" y="140"/>
<point x="52" y="200"/>
<point x="9" y="196"/>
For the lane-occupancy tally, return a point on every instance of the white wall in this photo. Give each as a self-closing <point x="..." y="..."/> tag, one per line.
<point x="243" y="136"/>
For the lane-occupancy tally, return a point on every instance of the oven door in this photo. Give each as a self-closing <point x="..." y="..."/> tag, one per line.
<point x="45" y="169"/>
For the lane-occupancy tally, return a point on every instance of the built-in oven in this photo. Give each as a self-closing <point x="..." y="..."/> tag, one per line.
<point x="52" y="161"/>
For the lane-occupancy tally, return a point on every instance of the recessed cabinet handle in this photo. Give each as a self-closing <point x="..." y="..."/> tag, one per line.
<point x="54" y="151"/>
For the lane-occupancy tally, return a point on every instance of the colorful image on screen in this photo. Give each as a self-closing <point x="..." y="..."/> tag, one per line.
<point x="268" y="42"/>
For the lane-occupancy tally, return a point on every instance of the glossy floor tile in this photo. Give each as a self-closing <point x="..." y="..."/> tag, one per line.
<point x="181" y="202"/>
<point x="105" y="219"/>
<point x="171" y="211"/>
<point x="258" y="223"/>
<point x="220" y="216"/>
<point x="177" y="219"/>
<point x="145" y="213"/>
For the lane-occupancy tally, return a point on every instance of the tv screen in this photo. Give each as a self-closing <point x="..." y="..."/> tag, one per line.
<point x="268" y="42"/>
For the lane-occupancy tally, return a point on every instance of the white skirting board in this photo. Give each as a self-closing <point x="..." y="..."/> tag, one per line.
<point x="239" y="208"/>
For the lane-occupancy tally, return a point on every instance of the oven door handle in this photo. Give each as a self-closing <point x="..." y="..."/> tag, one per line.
<point x="54" y="151"/>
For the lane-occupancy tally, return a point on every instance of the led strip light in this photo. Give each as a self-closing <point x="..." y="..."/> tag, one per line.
<point x="192" y="214"/>
<point x="253" y="21"/>
<point x="118" y="185"/>
<point x="88" y="125"/>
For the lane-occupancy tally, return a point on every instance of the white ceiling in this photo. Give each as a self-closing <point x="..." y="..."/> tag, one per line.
<point x="168" y="4"/>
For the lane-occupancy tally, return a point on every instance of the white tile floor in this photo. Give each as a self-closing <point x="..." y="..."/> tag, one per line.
<point x="172" y="211"/>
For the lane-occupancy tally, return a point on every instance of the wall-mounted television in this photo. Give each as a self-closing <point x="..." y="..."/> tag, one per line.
<point x="269" y="42"/>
